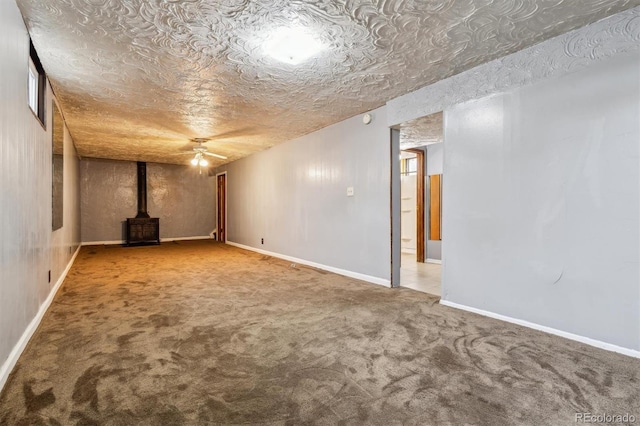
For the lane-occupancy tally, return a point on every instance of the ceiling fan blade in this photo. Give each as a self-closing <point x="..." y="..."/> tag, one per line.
<point x="215" y="155"/>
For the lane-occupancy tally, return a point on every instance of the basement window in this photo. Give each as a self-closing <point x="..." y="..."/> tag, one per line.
<point x="36" y="81"/>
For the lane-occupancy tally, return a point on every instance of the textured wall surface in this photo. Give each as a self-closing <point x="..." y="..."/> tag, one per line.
<point x="28" y="247"/>
<point x="294" y="195"/>
<point x="183" y="199"/>
<point x="542" y="200"/>
<point x="556" y="57"/>
<point x="108" y="197"/>
<point x="178" y="195"/>
<point x="140" y="78"/>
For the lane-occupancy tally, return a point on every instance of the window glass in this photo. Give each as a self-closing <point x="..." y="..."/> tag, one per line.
<point x="33" y="87"/>
<point x="409" y="166"/>
<point x="36" y="83"/>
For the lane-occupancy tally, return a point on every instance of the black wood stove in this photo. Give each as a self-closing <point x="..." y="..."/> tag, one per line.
<point x="142" y="229"/>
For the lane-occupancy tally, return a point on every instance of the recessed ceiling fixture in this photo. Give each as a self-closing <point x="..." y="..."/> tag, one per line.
<point x="292" y="45"/>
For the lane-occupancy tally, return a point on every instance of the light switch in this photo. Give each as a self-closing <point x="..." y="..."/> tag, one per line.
<point x="350" y="191"/>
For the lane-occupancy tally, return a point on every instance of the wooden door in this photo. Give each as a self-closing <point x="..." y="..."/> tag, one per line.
<point x="420" y="231"/>
<point x="434" y="207"/>
<point x="222" y="208"/>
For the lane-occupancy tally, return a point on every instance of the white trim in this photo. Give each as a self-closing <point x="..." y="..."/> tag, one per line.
<point x="15" y="353"/>
<point x="120" y="242"/>
<point x="566" y="335"/>
<point x="102" y="243"/>
<point x="438" y="261"/>
<point x="350" y="274"/>
<point x="201" y="237"/>
<point x="408" y="251"/>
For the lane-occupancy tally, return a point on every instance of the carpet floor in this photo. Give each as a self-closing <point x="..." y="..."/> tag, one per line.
<point x="199" y="332"/>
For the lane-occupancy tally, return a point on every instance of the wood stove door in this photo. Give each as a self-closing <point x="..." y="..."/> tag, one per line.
<point x="222" y="207"/>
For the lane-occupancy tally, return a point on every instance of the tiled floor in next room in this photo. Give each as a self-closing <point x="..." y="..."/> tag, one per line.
<point x="424" y="277"/>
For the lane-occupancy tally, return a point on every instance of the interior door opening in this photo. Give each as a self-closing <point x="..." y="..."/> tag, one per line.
<point x="418" y="196"/>
<point x="221" y="210"/>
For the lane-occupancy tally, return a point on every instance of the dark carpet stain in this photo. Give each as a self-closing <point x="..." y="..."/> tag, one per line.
<point x="125" y="339"/>
<point x="85" y="389"/>
<point x="160" y="321"/>
<point x="35" y="402"/>
<point x="444" y="358"/>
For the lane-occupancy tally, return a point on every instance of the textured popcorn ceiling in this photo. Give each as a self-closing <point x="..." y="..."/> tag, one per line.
<point x="421" y="131"/>
<point x="138" y="79"/>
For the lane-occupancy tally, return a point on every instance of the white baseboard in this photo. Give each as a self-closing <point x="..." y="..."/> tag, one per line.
<point x="202" y="237"/>
<point x="408" y="251"/>
<point x="350" y="274"/>
<point x="102" y="243"/>
<point x="162" y="240"/>
<point x="566" y="335"/>
<point x="15" y="353"/>
<point x="437" y="261"/>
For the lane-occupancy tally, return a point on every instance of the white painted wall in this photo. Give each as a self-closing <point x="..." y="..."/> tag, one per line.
<point x="542" y="203"/>
<point x="294" y="195"/>
<point x="542" y="185"/>
<point x="435" y="158"/>
<point x="29" y="249"/>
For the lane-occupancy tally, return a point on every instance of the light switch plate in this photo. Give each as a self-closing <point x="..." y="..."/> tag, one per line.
<point x="350" y="191"/>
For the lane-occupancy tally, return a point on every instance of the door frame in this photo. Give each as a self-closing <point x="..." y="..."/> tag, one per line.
<point x="394" y="206"/>
<point x="218" y="210"/>
<point x="420" y="204"/>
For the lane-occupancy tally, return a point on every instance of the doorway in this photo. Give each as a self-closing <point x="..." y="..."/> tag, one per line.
<point x="221" y="226"/>
<point x="417" y="196"/>
<point x="412" y="171"/>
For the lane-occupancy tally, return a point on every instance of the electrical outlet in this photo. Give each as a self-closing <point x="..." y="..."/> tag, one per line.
<point x="350" y="191"/>
<point x="261" y="240"/>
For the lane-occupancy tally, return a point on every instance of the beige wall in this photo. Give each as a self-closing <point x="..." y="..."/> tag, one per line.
<point x="182" y="198"/>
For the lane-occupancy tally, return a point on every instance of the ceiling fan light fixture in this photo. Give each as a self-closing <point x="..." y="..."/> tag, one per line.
<point x="292" y="45"/>
<point x="194" y="161"/>
<point x="203" y="162"/>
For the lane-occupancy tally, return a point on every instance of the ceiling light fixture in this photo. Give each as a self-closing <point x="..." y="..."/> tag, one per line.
<point x="292" y="45"/>
<point x="199" y="161"/>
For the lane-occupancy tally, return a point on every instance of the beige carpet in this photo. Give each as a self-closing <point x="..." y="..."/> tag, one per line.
<point x="204" y="333"/>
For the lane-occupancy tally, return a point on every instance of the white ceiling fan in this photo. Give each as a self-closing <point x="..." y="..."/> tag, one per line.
<point x="200" y="152"/>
